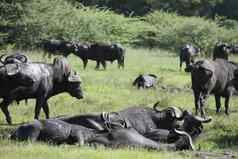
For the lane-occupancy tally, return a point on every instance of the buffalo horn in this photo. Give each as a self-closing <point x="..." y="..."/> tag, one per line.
<point x="155" y="106"/>
<point x="1" y="58"/>
<point x="186" y="134"/>
<point x="178" y="113"/>
<point x="204" y="120"/>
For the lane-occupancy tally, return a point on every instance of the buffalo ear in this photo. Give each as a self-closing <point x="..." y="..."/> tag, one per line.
<point x="209" y="73"/>
<point x="236" y="73"/>
<point x="61" y="68"/>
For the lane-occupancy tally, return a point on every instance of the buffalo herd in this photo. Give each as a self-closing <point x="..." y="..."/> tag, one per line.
<point x="99" y="52"/>
<point x="154" y="128"/>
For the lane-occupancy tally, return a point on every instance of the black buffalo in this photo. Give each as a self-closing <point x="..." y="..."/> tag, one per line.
<point x="188" y="54"/>
<point x="234" y="48"/>
<point x="221" y="50"/>
<point x="212" y="77"/>
<point x="145" y="81"/>
<point x="37" y="80"/>
<point x="144" y="120"/>
<point x="100" y="53"/>
<point x="54" y="131"/>
<point x="58" y="132"/>
<point x="58" y="47"/>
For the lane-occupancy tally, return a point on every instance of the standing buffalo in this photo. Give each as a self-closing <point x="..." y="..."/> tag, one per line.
<point x="37" y="80"/>
<point x="212" y="77"/>
<point x="60" y="47"/>
<point x="101" y="53"/>
<point x="234" y="48"/>
<point x="188" y="54"/>
<point x="221" y="50"/>
<point x="145" y="81"/>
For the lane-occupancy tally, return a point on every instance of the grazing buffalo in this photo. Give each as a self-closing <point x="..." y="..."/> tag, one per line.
<point x="145" y="81"/>
<point x="37" y="80"/>
<point x="188" y="54"/>
<point x="58" y="132"/>
<point x="212" y="77"/>
<point x="100" y="53"/>
<point x="58" y="47"/>
<point x="221" y="50"/>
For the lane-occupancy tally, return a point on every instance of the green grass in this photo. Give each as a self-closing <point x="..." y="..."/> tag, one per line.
<point x="112" y="90"/>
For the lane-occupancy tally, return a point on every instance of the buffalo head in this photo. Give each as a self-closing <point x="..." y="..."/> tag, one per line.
<point x="221" y="50"/>
<point x="167" y="118"/>
<point x="15" y="58"/>
<point x="120" y="52"/>
<point x="67" y="78"/>
<point x="202" y="72"/>
<point x="193" y="124"/>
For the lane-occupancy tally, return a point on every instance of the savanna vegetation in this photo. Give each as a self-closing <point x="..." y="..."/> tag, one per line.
<point x="152" y="40"/>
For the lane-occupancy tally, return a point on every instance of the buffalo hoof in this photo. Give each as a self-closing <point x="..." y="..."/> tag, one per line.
<point x="227" y="113"/>
<point x="218" y="110"/>
<point x="9" y="121"/>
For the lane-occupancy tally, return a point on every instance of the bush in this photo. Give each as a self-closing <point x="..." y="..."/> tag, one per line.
<point x="172" y="31"/>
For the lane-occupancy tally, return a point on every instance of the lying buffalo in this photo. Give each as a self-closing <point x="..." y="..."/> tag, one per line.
<point x="144" y="120"/>
<point x="37" y="80"/>
<point x="100" y="53"/>
<point x="129" y="137"/>
<point x="221" y="50"/>
<point x="145" y="81"/>
<point x="58" y="47"/>
<point x="212" y="77"/>
<point x="54" y="131"/>
<point x="58" y="132"/>
<point x="188" y="54"/>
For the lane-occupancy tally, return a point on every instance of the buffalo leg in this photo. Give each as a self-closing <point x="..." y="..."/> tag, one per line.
<point x="46" y="110"/>
<point x="98" y="65"/>
<point x="203" y="99"/>
<point x="85" y="62"/>
<point x="197" y="102"/>
<point x="104" y="64"/>
<point x="39" y="103"/>
<point x="4" y="106"/>
<point x="218" y="103"/>
<point x="180" y="64"/>
<point x="227" y="99"/>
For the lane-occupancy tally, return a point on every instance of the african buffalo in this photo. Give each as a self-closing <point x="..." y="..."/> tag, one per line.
<point x="54" y="131"/>
<point x="58" y="47"/>
<point x="221" y="50"/>
<point x="58" y="132"/>
<point x="188" y="54"/>
<point x="212" y="77"/>
<point x="100" y="53"/>
<point x="124" y="137"/>
<point x="234" y="48"/>
<point x="144" y="120"/>
<point x="37" y="80"/>
<point x="145" y="81"/>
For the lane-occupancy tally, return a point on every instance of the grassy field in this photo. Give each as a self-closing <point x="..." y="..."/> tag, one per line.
<point x="112" y="90"/>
